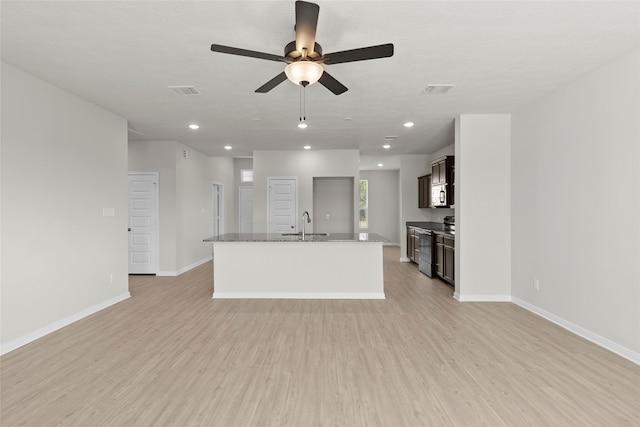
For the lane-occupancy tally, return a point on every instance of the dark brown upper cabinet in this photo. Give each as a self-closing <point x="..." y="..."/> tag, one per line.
<point x="442" y="182"/>
<point x="424" y="191"/>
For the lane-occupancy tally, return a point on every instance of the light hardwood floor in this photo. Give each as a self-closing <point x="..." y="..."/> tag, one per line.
<point x="172" y="356"/>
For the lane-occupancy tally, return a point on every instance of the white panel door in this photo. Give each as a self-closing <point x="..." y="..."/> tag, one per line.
<point x="246" y="210"/>
<point x="143" y="218"/>
<point x="283" y="205"/>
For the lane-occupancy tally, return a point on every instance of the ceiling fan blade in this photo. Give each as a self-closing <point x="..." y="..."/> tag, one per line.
<point x="360" y="54"/>
<point x="306" y="23"/>
<point x="332" y="84"/>
<point x="272" y="83"/>
<point x="245" y="52"/>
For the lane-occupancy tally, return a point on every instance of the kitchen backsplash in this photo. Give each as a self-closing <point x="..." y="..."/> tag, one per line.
<point x="437" y="215"/>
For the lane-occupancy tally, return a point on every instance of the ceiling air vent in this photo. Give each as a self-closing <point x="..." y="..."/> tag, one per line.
<point x="438" y="89"/>
<point x="184" y="90"/>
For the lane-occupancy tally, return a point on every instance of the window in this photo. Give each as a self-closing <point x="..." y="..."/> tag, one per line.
<point x="246" y="175"/>
<point x="364" y="203"/>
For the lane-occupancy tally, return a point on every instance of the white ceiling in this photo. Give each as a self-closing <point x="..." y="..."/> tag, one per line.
<point x="500" y="55"/>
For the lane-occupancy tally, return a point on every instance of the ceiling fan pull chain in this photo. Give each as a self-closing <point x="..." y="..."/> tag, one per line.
<point x="300" y="102"/>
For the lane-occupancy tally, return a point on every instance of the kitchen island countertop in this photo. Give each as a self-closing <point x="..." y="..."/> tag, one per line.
<point x="269" y="265"/>
<point x="309" y="237"/>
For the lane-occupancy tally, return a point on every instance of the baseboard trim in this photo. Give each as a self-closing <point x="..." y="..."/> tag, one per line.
<point x="481" y="298"/>
<point x="46" y="330"/>
<point x="391" y="244"/>
<point x="184" y="269"/>
<point x="580" y="331"/>
<point x="297" y="295"/>
<point x="404" y="259"/>
<point x="194" y="265"/>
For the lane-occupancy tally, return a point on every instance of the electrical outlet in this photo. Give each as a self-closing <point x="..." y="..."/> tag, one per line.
<point x="536" y="284"/>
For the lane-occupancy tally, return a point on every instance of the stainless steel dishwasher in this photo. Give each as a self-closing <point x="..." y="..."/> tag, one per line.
<point x="425" y="246"/>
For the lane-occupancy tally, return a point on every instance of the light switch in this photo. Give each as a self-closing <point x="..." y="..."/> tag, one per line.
<point x="108" y="212"/>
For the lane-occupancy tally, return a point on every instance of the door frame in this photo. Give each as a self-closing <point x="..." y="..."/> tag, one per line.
<point x="220" y="205"/>
<point x="269" y="178"/>
<point x="156" y="251"/>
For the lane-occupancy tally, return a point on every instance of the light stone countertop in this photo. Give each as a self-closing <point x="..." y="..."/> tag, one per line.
<point x="309" y="237"/>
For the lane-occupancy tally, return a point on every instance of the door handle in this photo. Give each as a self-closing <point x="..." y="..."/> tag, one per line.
<point x="129" y="229"/>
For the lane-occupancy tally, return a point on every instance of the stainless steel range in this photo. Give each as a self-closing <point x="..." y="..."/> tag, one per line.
<point x="450" y="224"/>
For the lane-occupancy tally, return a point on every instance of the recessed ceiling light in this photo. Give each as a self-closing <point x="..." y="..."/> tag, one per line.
<point x="408" y="124"/>
<point x="307" y="147"/>
<point x="194" y="126"/>
<point x="380" y="165"/>
<point x="227" y="147"/>
<point x="348" y="118"/>
<point x="386" y="146"/>
<point x="390" y="137"/>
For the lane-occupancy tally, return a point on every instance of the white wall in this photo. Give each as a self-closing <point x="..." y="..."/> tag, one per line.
<point x="304" y="164"/>
<point x="576" y="203"/>
<point x="160" y="156"/>
<point x="63" y="161"/>
<point x="185" y="191"/>
<point x="483" y="207"/>
<point x="384" y="203"/>
<point x="333" y="209"/>
<point x="194" y="208"/>
<point x="238" y="165"/>
<point x="222" y="171"/>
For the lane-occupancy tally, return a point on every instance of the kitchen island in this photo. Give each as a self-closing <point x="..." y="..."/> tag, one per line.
<point x="327" y="266"/>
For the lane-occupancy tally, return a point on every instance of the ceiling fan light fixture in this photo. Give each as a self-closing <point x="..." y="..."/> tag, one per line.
<point x="304" y="71"/>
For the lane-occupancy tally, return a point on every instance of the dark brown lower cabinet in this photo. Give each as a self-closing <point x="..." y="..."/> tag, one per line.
<point x="413" y="245"/>
<point x="449" y="260"/>
<point x="445" y="257"/>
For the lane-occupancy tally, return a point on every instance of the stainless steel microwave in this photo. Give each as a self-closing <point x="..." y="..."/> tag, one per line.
<point x="439" y="196"/>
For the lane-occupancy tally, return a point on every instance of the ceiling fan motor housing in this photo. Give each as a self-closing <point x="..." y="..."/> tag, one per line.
<point x="291" y="54"/>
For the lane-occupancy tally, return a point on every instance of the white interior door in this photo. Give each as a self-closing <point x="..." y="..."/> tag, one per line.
<point x="283" y="205"/>
<point x="246" y="209"/>
<point x="218" y="209"/>
<point x="143" y="224"/>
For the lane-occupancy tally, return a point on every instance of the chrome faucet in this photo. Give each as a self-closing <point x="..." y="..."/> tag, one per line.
<point x="308" y="221"/>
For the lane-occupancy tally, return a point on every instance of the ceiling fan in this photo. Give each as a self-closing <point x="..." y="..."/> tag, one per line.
<point x="304" y="56"/>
